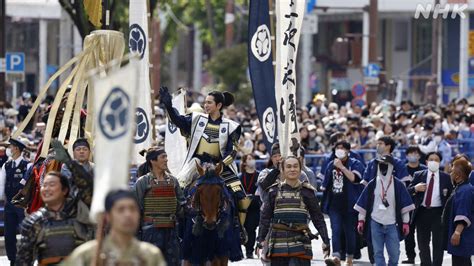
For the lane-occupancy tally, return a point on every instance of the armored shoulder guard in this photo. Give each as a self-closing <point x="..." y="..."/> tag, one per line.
<point x="274" y="186"/>
<point x="35" y="218"/>
<point x="308" y="186"/>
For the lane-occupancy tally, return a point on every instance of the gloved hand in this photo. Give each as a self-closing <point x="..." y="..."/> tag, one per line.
<point x="326" y="250"/>
<point x="165" y="97"/>
<point x="61" y="153"/>
<point x="406" y="229"/>
<point x="360" y="227"/>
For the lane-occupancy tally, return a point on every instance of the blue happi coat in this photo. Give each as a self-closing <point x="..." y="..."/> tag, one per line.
<point x="462" y="210"/>
<point x="399" y="171"/>
<point x="403" y="204"/>
<point x="352" y="190"/>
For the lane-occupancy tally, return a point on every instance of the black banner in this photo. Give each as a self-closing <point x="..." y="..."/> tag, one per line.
<point x="262" y="74"/>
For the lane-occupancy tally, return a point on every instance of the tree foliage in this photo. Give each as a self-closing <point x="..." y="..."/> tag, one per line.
<point x="118" y="15"/>
<point x="229" y="66"/>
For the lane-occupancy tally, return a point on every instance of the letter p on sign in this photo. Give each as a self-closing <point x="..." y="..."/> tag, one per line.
<point x="15" y="62"/>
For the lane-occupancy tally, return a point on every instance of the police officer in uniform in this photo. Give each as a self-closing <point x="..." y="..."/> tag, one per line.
<point x="11" y="176"/>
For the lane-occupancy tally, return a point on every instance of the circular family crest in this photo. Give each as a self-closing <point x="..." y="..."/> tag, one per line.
<point x="137" y="40"/>
<point x="114" y="114"/>
<point x="143" y="126"/>
<point x="269" y="124"/>
<point x="261" y="44"/>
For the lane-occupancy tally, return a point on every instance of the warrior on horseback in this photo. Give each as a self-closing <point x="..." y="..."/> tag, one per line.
<point x="211" y="139"/>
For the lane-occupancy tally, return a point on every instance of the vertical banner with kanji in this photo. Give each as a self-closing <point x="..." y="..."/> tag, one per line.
<point x="138" y="45"/>
<point x="289" y="16"/>
<point x="261" y="70"/>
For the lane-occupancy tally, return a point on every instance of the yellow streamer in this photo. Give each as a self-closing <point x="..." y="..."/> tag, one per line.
<point x="54" y="111"/>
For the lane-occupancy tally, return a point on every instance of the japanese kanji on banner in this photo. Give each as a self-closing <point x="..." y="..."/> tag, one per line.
<point x="289" y="16"/>
<point x="138" y="45"/>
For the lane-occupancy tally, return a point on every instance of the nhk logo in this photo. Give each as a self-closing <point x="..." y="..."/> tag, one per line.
<point x="454" y="9"/>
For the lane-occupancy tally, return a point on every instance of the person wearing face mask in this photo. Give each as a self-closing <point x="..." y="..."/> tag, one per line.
<point x="11" y="176"/>
<point x="426" y="141"/>
<point x="459" y="214"/>
<point x="336" y="137"/>
<point x="430" y="190"/>
<point x="385" y="146"/>
<point x="248" y="177"/>
<point x="444" y="148"/>
<point x="384" y="208"/>
<point x="413" y="165"/>
<point x="341" y="190"/>
<point x="413" y="155"/>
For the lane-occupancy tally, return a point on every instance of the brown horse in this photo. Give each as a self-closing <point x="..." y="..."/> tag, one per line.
<point x="208" y="240"/>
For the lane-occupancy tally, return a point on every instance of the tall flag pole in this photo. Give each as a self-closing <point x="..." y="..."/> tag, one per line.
<point x="289" y="16"/>
<point x="262" y="74"/>
<point x="138" y="44"/>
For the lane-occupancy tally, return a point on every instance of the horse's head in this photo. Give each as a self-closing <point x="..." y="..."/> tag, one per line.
<point x="210" y="199"/>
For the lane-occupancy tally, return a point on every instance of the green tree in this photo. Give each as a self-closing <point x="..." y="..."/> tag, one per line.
<point x="229" y="66"/>
<point x="118" y="15"/>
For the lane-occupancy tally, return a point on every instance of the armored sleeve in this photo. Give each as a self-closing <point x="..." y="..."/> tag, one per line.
<point x="232" y="143"/>
<point x="270" y="179"/>
<point x="266" y="216"/>
<point x="83" y="180"/>
<point x="29" y="232"/>
<point x="315" y="213"/>
<point x="139" y="189"/>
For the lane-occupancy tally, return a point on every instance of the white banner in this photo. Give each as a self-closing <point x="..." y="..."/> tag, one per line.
<point x="138" y="44"/>
<point x="114" y="98"/>
<point x="289" y="16"/>
<point x="175" y="143"/>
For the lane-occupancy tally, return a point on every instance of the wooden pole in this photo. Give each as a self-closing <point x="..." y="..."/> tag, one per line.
<point x="374" y="22"/>
<point x="272" y="31"/>
<point x="105" y="15"/>
<point x="229" y="23"/>
<point x="2" y="49"/>
<point x="99" y="236"/>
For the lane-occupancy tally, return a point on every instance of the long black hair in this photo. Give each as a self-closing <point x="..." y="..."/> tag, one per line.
<point x="225" y="98"/>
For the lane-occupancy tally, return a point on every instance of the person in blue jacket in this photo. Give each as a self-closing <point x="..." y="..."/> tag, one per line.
<point x="335" y="138"/>
<point x="342" y="188"/>
<point x="384" y="208"/>
<point x="459" y="214"/>
<point x="385" y="147"/>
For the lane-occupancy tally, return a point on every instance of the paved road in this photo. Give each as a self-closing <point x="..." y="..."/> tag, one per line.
<point x="318" y="255"/>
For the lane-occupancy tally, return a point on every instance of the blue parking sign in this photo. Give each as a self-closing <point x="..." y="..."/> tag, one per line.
<point x="15" y="62"/>
<point x="372" y="70"/>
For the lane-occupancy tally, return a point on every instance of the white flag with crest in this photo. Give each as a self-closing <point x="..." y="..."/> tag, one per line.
<point x="289" y="16"/>
<point x="175" y="143"/>
<point x="114" y="98"/>
<point x="138" y="45"/>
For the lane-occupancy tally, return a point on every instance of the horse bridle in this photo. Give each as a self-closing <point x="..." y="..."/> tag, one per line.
<point x="222" y="206"/>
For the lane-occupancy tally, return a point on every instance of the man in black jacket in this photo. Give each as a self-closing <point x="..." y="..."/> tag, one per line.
<point x="430" y="190"/>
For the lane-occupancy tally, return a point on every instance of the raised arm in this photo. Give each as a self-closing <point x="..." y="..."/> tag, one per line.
<point x="181" y="121"/>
